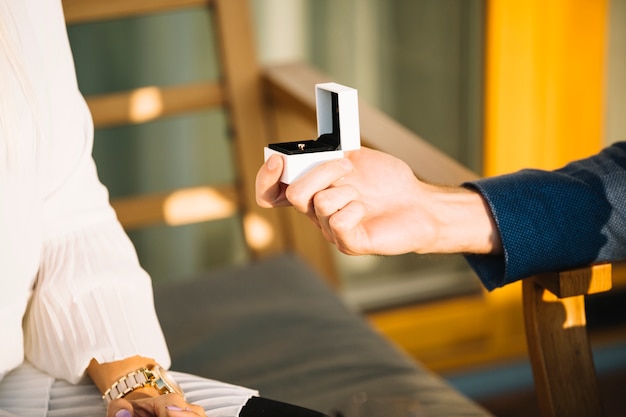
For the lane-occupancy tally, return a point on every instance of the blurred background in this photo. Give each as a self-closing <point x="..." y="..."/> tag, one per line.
<point x="423" y="62"/>
<point x="419" y="61"/>
<point x="496" y="85"/>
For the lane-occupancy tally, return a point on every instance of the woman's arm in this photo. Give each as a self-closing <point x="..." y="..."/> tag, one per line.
<point x="105" y="374"/>
<point x="140" y="402"/>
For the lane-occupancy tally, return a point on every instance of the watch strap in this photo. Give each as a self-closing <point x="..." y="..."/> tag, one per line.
<point x="126" y="384"/>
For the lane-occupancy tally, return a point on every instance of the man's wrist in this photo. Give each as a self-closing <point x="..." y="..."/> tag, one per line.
<point x="465" y="222"/>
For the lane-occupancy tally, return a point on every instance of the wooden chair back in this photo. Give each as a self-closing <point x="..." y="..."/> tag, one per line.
<point x="558" y="345"/>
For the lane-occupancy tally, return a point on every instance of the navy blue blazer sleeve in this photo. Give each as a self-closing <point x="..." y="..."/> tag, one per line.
<point x="556" y="220"/>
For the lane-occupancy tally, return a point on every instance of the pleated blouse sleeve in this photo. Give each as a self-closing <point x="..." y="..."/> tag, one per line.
<point x="91" y="299"/>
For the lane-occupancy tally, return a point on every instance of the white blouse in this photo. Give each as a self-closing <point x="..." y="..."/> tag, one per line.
<point x="72" y="288"/>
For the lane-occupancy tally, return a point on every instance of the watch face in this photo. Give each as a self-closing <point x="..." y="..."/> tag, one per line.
<point x="164" y="381"/>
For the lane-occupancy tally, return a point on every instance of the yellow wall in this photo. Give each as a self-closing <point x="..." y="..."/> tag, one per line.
<point x="545" y="70"/>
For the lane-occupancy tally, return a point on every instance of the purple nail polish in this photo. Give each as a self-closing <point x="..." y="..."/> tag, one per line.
<point x="171" y="407"/>
<point x="123" y="413"/>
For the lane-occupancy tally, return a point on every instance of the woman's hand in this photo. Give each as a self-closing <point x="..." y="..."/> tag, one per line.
<point x="140" y="404"/>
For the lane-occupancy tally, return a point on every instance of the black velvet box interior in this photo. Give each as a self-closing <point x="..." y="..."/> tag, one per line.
<point x="326" y="142"/>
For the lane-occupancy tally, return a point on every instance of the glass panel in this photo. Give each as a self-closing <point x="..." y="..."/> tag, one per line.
<point x="121" y="54"/>
<point x="183" y="151"/>
<point x="420" y="61"/>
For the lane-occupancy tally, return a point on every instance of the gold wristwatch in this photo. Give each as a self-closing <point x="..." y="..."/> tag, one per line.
<point x="150" y="376"/>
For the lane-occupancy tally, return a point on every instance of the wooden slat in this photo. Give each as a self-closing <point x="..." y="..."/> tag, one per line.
<point x="182" y="206"/>
<point x="149" y="103"/>
<point x="293" y="85"/>
<point x="242" y="80"/>
<point x="581" y="281"/>
<point x="82" y="11"/>
<point x="619" y="274"/>
<point x="560" y="353"/>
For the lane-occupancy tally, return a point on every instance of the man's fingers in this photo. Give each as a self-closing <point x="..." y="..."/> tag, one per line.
<point x="328" y="202"/>
<point x="348" y="228"/>
<point x="301" y="192"/>
<point x="331" y="200"/>
<point x="269" y="189"/>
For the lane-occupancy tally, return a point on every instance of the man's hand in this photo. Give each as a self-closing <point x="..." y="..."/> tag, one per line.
<point x="270" y="192"/>
<point x="372" y="203"/>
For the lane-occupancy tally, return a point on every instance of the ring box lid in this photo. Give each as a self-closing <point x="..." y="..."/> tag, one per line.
<point x="345" y="115"/>
<point x="338" y="131"/>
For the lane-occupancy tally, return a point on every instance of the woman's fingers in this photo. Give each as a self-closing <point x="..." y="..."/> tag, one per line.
<point x="190" y="410"/>
<point x="169" y="405"/>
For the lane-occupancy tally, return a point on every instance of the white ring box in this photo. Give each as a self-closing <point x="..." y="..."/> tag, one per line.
<point x="337" y="126"/>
